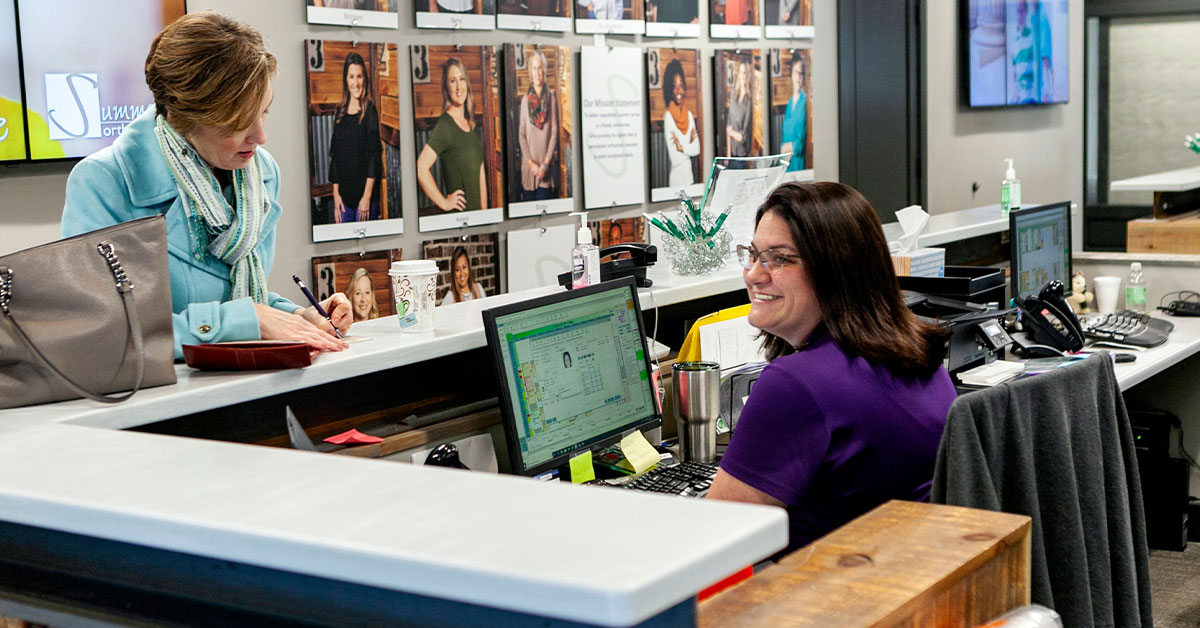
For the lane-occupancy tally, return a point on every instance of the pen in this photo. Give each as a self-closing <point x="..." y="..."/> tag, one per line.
<point x="320" y="310"/>
<point x="720" y="220"/>
<point x="657" y="223"/>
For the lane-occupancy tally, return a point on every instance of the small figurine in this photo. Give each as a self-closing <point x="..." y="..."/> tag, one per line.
<point x="1080" y="295"/>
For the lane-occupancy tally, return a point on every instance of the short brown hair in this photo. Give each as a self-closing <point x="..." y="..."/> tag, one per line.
<point x="205" y="69"/>
<point x="841" y="243"/>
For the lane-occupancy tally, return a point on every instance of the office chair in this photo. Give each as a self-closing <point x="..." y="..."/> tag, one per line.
<point x="1058" y="448"/>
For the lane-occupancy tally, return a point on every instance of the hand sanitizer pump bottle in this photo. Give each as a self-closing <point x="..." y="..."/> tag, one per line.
<point x="585" y="257"/>
<point x="1010" y="189"/>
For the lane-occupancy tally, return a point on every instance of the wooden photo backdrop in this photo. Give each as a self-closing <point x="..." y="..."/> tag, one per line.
<point x="325" y="60"/>
<point x="332" y="273"/>
<point x="482" y="73"/>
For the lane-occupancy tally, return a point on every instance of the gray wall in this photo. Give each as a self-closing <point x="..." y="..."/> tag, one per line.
<point x="33" y="193"/>
<point x="965" y="145"/>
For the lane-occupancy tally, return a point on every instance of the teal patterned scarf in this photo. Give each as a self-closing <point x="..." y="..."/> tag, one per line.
<point x="230" y="234"/>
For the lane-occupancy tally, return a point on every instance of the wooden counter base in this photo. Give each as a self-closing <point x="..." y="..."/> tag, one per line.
<point x="903" y="564"/>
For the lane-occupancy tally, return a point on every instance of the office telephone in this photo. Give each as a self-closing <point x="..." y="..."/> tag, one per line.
<point x="1049" y="321"/>
<point x="640" y="256"/>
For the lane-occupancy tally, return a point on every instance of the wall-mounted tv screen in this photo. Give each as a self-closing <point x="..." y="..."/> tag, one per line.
<point x="1017" y="52"/>
<point x="83" y="68"/>
<point x="12" y="122"/>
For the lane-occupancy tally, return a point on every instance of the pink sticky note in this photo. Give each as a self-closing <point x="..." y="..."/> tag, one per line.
<point x="353" y="437"/>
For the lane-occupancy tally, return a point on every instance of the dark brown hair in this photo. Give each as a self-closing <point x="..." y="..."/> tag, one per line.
<point x="841" y="243"/>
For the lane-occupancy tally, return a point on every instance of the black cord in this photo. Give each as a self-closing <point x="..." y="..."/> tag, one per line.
<point x="1184" y="295"/>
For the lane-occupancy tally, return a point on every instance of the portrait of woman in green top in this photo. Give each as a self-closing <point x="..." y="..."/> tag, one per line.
<point x="456" y="146"/>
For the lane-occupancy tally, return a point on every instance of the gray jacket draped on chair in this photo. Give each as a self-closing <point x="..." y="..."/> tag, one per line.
<point x="1058" y="447"/>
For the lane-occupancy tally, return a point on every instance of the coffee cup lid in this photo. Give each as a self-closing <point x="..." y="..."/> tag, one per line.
<point x="413" y="267"/>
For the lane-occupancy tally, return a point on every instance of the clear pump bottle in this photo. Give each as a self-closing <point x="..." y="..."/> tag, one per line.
<point x="1010" y="189"/>
<point x="585" y="257"/>
<point x="1135" y="289"/>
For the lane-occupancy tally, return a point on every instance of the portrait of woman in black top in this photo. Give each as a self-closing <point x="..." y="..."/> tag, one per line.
<point x="354" y="149"/>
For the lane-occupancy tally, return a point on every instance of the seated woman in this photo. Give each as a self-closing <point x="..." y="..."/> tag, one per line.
<point x="850" y="411"/>
<point x="197" y="158"/>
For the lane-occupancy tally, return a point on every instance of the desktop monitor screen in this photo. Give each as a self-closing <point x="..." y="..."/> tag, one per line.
<point x="573" y="371"/>
<point x="12" y="119"/>
<point x="1017" y="52"/>
<point x="84" y="69"/>
<point x="1041" y="247"/>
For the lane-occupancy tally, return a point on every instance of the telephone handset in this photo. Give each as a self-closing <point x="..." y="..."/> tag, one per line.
<point x="1049" y="320"/>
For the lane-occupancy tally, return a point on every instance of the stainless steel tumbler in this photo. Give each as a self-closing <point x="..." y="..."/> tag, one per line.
<point x="695" y="392"/>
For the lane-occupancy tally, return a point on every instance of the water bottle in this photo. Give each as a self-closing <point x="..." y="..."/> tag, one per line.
<point x="1135" y="289"/>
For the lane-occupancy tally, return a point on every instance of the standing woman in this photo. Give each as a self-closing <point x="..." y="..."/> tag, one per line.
<point x="794" y="117"/>
<point x="679" y="126"/>
<point x="457" y="144"/>
<point x="463" y="286"/>
<point x="741" y="115"/>
<point x="538" y="133"/>
<point x="197" y="159"/>
<point x="355" y="154"/>
<point x="850" y="410"/>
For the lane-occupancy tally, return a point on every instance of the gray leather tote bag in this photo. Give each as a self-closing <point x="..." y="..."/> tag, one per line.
<point x="87" y="316"/>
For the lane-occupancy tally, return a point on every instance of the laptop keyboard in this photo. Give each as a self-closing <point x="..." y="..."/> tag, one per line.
<point x="1127" y="327"/>
<point x="689" y="479"/>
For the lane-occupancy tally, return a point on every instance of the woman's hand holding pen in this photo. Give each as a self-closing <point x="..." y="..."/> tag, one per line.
<point x="275" y="324"/>
<point x="341" y="313"/>
<point x="454" y="201"/>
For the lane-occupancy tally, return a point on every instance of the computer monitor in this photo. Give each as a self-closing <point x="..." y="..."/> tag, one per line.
<point x="574" y="373"/>
<point x="1041" y="247"/>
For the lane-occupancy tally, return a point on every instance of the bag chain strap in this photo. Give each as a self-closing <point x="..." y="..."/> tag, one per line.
<point x="6" y="275"/>
<point x="110" y="255"/>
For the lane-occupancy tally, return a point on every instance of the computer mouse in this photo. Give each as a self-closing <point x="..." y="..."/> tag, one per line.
<point x="445" y="455"/>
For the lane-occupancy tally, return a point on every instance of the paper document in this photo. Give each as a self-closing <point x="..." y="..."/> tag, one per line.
<point x="730" y="343"/>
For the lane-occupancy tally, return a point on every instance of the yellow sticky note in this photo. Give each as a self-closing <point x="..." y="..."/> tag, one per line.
<point x="638" y="451"/>
<point x="581" y="468"/>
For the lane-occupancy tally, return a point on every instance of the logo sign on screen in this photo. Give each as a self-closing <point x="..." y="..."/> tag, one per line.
<point x="73" y="105"/>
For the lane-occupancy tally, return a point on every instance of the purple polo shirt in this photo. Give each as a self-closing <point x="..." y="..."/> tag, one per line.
<point x="833" y="435"/>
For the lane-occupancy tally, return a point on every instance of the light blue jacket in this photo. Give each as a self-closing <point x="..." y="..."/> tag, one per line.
<point x="130" y="180"/>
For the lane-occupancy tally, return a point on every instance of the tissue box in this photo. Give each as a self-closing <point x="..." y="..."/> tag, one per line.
<point x="929" y="262"/>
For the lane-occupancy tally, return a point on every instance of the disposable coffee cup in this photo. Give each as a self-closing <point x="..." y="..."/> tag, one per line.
<point x="696" y="394"/>
<point x="414" y="284"/>
<point x="1106" y="289"/>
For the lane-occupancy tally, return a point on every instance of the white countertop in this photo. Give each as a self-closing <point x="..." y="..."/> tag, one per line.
<point x="500" y="541"/>
<point x="1170" y="181"/>
<point x="956" y="226"/>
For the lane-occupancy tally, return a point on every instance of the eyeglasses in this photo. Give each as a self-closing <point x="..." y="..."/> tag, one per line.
<point x="770" y="259"/>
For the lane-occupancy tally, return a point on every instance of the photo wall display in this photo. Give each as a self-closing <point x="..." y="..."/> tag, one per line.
<point x="536" y="257"/>
<point x="790" y="95"/>
<point x="788" y="19"/>
<point x="538" y="116"/>
<point x="534" y="15"/>
<point x="734" y="19"/>
<point x="673" y="18"/>
<point x="457" y="122"/>
<point x="611" y="17"/>
<point x="455" y="14"/>
<point x="468" y="267"/>
<point x="612" y="126"/>
<point x="362" y="278"/>
<point x="366" y="13"/>
<point x="738" y="103"/>
<point x="354" y="139"/>
<point x="676" y="123"/>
